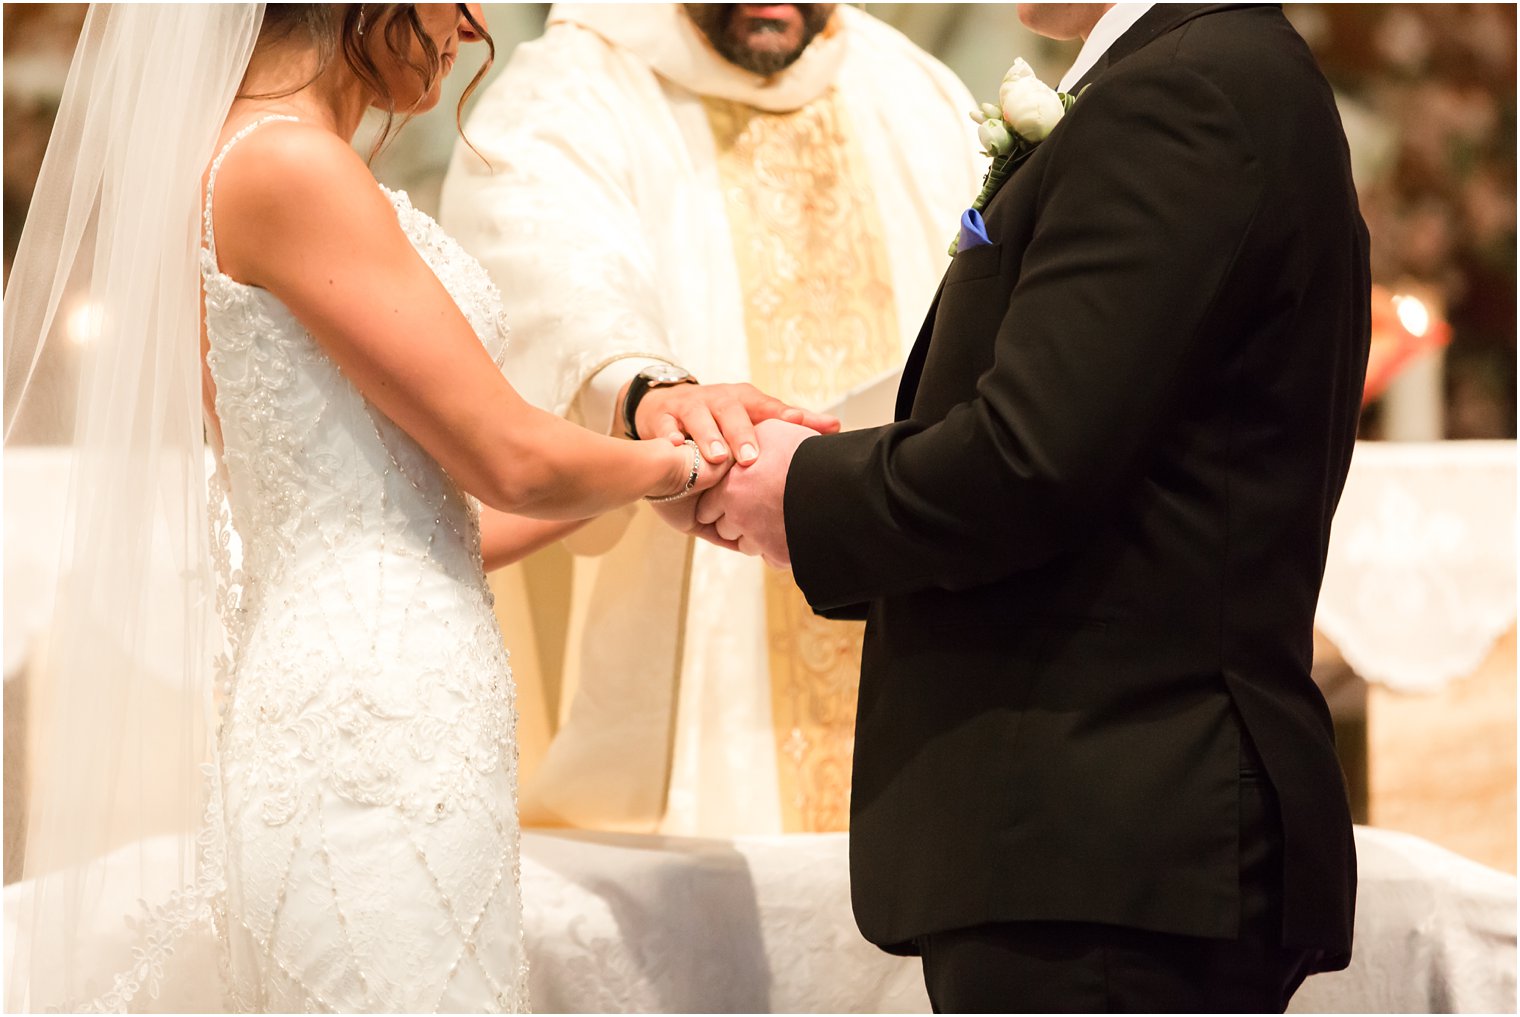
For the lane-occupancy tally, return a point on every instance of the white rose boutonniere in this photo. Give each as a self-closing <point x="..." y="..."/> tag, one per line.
<point x="1030" y="108"/>
<point x="1027" y="111"/>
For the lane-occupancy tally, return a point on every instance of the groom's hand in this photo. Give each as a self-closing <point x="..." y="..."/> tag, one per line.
<point x="720" y="418"/>
<point x="744" y="511"/>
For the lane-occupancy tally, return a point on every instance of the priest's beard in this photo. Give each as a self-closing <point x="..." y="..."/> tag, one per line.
<point x="744" y="36"/>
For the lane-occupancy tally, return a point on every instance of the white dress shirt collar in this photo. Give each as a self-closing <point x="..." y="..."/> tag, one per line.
<point x="1117" y="20"/>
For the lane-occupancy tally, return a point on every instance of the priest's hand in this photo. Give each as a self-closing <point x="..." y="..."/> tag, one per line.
<point x="721" y="418"/>
<point x="743" y="511"/>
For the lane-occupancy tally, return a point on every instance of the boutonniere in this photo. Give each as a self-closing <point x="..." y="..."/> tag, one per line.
<point x="1027" y="111"/>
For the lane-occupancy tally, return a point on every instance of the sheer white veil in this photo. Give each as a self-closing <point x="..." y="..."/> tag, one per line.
<point x="120" y="710"/>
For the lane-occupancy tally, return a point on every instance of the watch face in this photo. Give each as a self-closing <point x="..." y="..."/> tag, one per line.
<point x="665" y="374"/>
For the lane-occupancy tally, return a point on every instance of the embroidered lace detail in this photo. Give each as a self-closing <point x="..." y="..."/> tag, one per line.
<point x="162" y="927"/>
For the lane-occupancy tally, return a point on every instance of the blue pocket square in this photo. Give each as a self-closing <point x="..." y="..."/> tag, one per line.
<point x="973" y="231"/>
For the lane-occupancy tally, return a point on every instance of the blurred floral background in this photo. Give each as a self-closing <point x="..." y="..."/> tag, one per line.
<point x="1427" y="94"/>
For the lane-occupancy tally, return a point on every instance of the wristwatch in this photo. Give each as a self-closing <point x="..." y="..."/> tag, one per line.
<point x="653" y="376"/>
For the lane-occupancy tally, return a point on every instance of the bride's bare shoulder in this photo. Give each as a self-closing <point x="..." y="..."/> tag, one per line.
<point x="283" y="154"/>
<point x="289" y="186"/>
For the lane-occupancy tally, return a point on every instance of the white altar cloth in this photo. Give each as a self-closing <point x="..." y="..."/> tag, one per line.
<point x="1435" y="933"/>
<point x="639" y="924"/>
<point x="636" y="923"/>
<point x="1420" y="581"/>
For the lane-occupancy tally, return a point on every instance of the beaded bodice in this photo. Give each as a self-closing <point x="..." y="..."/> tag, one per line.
<point x="314" y="470"/>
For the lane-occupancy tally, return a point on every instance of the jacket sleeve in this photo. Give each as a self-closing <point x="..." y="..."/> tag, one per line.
<point x="1149" y="192"/>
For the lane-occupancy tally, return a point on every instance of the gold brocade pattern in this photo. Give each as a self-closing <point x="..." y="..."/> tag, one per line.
<point x="820" y="319"/>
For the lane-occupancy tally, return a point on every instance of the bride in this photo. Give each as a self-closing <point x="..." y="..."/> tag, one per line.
<point x="358" y="844"/>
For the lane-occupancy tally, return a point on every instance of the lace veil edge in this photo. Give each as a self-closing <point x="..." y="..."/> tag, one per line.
<point x="102" y="341"/>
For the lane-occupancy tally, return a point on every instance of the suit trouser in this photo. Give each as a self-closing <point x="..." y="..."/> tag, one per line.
<point x="1076" y="967"/>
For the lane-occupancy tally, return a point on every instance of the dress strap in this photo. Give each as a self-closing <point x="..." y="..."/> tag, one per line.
<point x="208" y="237"/>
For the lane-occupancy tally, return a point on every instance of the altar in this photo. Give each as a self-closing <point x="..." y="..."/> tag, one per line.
<point x="619" y="923"/>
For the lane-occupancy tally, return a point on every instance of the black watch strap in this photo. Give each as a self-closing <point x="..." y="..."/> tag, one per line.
<point x="638" y="388"/>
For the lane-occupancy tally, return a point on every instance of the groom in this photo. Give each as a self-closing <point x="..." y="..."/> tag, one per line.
<point x="1091" y="770"/>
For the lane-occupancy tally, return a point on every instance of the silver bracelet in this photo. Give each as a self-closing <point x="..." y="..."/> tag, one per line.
<point x="691" y="480"/>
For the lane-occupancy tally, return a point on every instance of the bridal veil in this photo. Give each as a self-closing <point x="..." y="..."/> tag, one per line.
<point x="102" y="358"/>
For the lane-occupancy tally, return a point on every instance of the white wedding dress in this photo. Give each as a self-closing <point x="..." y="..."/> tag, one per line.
<point x="367" y="763"/>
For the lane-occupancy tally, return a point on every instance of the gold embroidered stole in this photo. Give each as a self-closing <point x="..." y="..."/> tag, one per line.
<point x="820" y="319"/>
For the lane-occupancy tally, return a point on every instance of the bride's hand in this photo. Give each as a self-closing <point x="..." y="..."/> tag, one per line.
<point x="676" y="503"/>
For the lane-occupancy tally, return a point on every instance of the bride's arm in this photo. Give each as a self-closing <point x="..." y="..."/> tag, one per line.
<point x="298" y="214"/>
<point x="506" y="538"/>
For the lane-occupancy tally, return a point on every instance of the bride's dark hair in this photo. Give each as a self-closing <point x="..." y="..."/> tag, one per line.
<point x="339" y="28"/>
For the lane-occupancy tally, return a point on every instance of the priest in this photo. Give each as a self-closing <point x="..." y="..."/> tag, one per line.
<point x="679" y="195"/>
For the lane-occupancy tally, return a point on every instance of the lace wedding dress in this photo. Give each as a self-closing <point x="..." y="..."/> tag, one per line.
<point x="367" y="767"/>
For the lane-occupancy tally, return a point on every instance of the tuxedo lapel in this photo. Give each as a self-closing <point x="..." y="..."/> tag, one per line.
<point x="907" y="388"/>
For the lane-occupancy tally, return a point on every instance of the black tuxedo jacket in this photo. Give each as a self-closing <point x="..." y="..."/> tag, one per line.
<point x="1091" y="546"/>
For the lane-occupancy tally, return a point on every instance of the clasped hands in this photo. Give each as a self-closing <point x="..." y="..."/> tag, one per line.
<point x="740" y="501"/>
